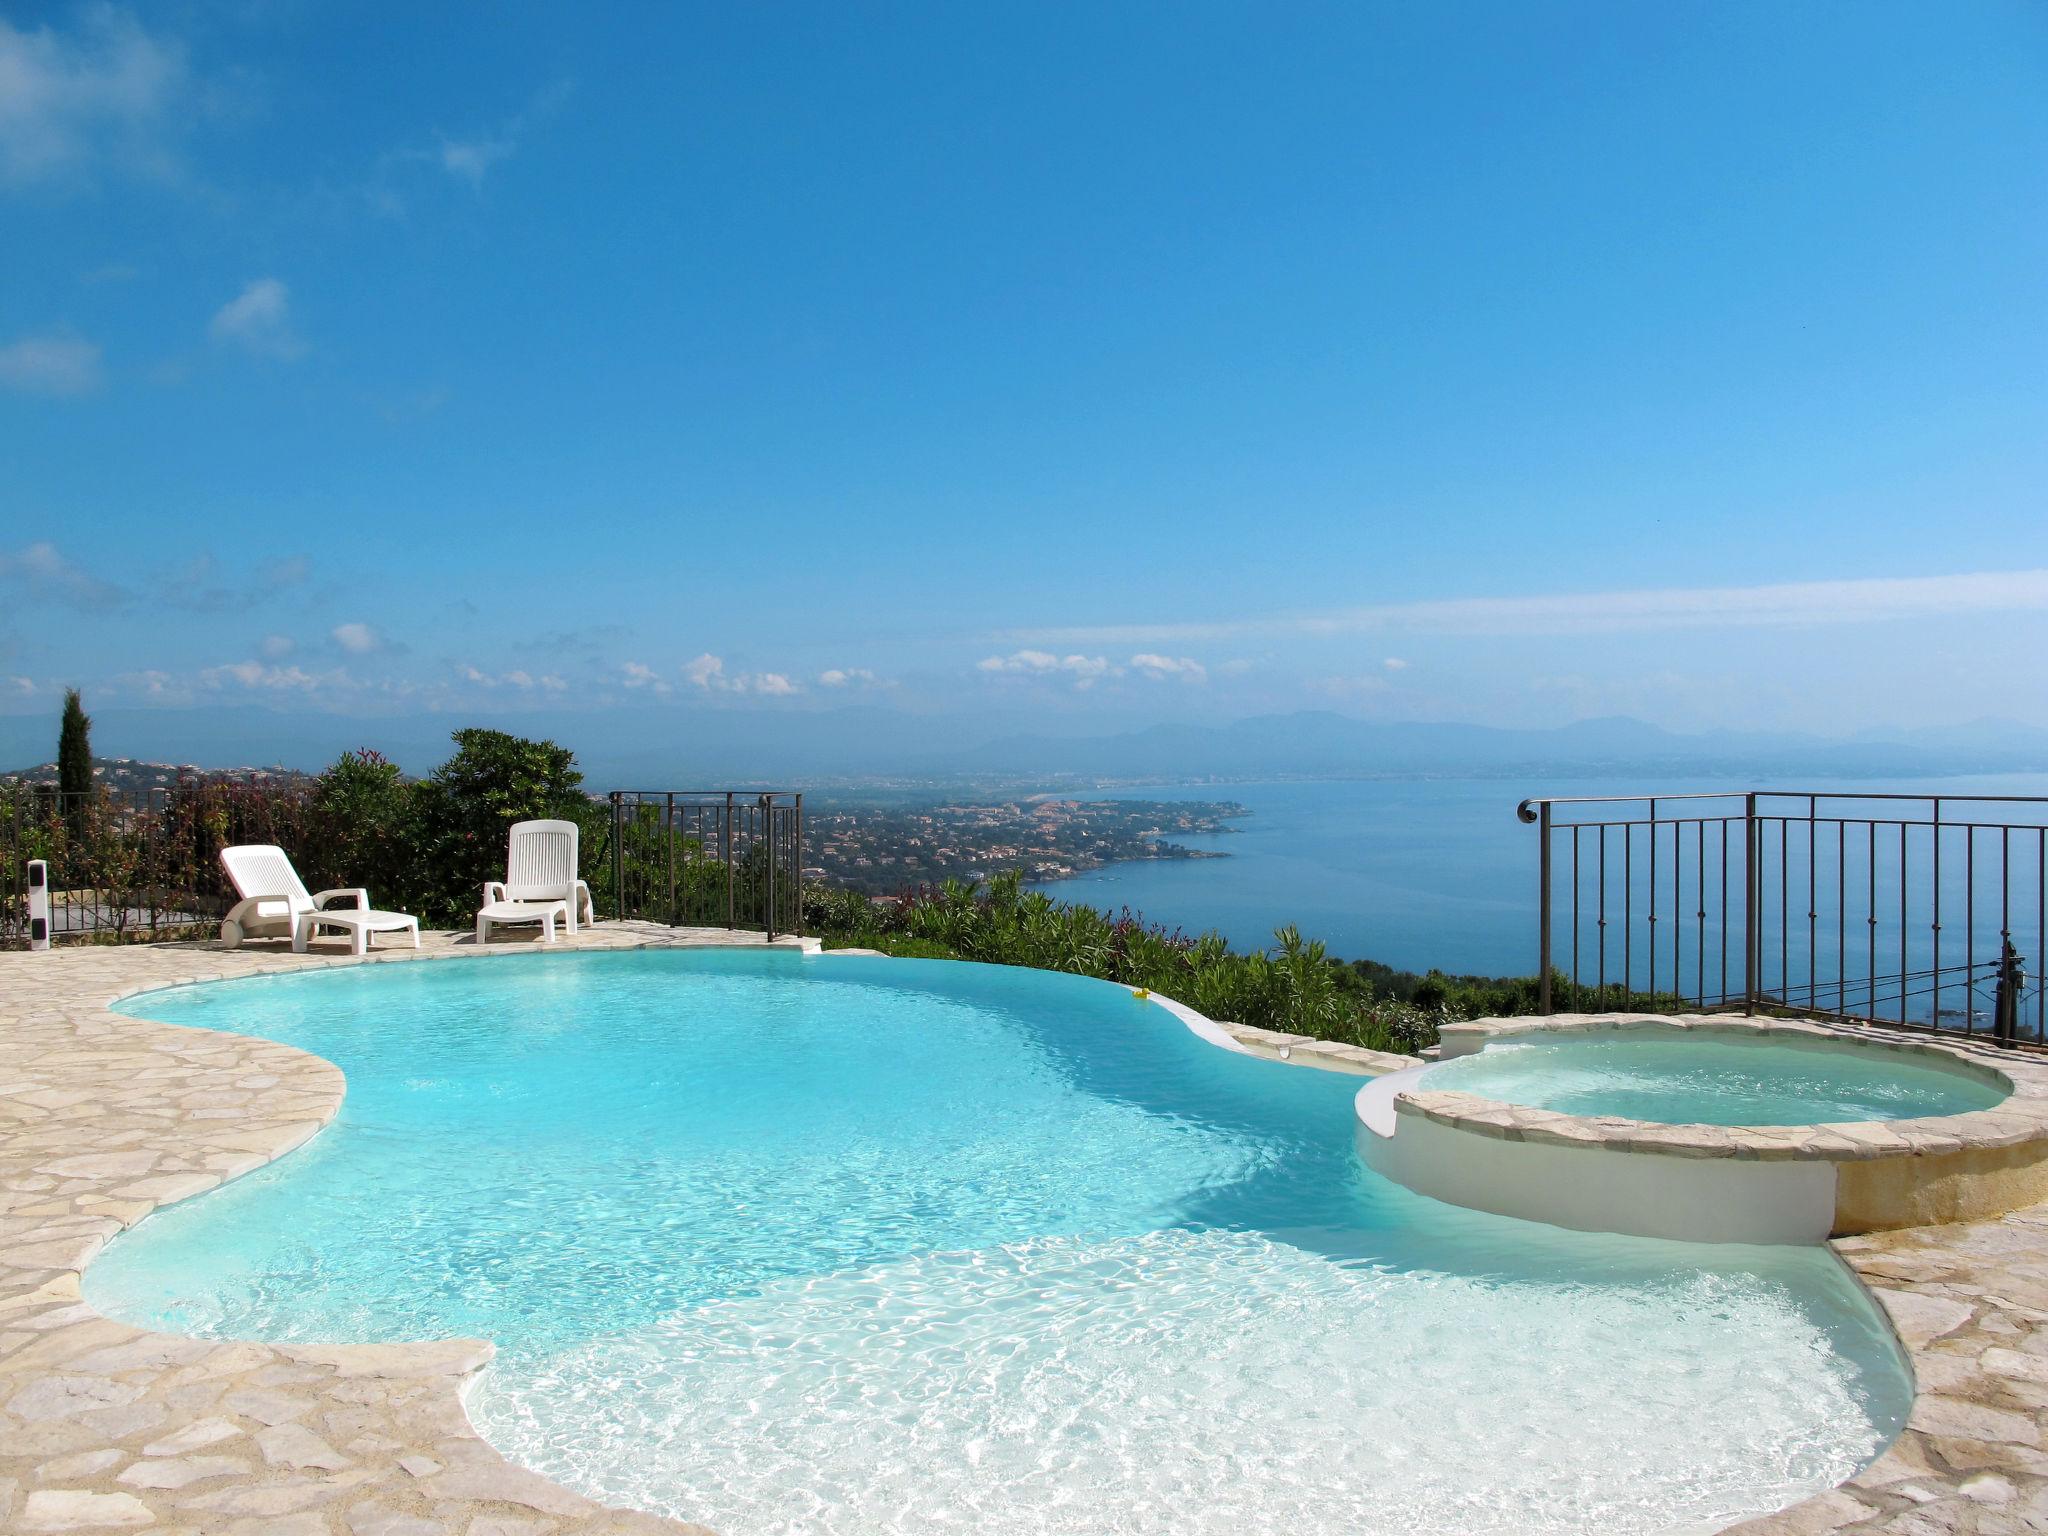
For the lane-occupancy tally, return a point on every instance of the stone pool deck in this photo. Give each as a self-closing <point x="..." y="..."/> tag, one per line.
<point x="104" y="1427"/>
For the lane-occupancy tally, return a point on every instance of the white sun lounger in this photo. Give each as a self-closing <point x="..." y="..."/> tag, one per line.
<point x="540" y="866"/>
<point x="276" y="904"/>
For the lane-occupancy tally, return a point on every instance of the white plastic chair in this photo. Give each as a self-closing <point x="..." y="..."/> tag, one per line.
<point x="540" y="865"/>
<point x="276" y="904"/>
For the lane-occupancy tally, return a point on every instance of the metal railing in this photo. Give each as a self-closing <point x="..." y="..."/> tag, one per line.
<point x="145" y="864"/>
<point x="130" y="864"/>
<point x="1875" y="907"/>
<point x="709" y="858"/>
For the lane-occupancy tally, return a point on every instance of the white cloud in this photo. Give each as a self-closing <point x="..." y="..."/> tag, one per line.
<point x="522" y="680"/>
<point x="707" y="672"/>
<point x="277" y="647"/>
<point x="854" y="677"/>
<point x="43" y="572"/>
<point x="258" y="675"/>
<point x="1084" y="671"/>
<point x="637" y="674"/>
<point x="161" y="687"/>
<point x="258" y="319"/>
<point x="357" y="639"/>
<point x="1044" y="664"/>
<point x="23" y="687"/>
<point x="468" y="159"/>
<point x="1157" y="667"/>
<point x="103" y="93"/>
<point x="1779" y="604"/>
<point x="1395" y="664"/>
<point x="50" y="365"/>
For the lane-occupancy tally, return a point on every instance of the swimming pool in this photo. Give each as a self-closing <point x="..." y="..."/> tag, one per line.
<point x="1715" y="1079"/>
<point x="786" y="1244"/>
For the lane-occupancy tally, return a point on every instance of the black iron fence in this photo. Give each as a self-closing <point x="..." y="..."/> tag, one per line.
<point x="145" y="864"/>
<point x="132" y="864"/>
<point x="1894" y="908"/>
<point x="709" y="858"/>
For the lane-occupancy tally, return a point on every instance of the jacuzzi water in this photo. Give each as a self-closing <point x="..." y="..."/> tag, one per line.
<point x="1712" y="1080"/>
<point x="855" y="1245"/>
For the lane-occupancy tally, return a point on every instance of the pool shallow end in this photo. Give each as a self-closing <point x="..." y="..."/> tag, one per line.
<point x="1799" y="1183"/>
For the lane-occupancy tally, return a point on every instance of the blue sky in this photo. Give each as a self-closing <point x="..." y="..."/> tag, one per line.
<point x="1085" y="365"/>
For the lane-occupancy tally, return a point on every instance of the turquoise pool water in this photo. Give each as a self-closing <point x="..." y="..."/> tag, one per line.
<point x="1712" y="1080"/>
<point x="854" y="1245"/>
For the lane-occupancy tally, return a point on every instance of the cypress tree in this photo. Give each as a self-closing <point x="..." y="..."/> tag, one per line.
<point x="74" y="760"/>
<point x="74" y="747"/>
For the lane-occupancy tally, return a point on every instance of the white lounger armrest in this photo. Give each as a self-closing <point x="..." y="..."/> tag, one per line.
<point x="243" y="911"/>
<point x="254" y="905"/>
<point x="322" y="898"/>
<point x="494" y="890"/>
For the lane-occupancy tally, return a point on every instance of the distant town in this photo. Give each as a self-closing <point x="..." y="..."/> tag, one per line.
<point x="133" y="776"/>
<point x="884" y="849"/>
<point x="880" y="847"/>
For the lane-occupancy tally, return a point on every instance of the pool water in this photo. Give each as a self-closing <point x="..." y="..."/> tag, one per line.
<point x="786" y="1244"/>
<point x="1712" y="1080"/>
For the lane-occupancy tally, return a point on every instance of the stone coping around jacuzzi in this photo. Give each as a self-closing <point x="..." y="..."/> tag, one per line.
<point x="107" y="1427"/>
<point x="2021" y="1118"/>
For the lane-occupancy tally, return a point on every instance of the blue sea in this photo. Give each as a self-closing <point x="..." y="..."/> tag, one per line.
<point x="1417" y="873"/>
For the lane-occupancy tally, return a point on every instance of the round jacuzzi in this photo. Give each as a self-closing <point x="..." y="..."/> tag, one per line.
<point x="1730" y="1078"/>
<point x="1713" y="1129"/>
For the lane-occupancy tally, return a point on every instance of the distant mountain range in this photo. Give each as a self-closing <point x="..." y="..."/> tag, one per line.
<point x="1329" y="745"/>
<point x="684" y="748"/>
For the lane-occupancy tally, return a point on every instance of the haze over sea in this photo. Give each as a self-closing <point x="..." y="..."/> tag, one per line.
<point x="1417" y="873"/>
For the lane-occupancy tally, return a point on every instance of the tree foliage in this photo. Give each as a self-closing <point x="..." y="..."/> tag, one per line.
<point x="460" y="813"/>
<point x="1294" y="987"/>
<point x="74" y="759"/>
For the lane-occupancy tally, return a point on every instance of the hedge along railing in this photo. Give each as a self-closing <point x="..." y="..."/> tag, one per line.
<point x="712" y="858"/>
<point x="146" y="864"/>
<point x="135" y="864"/>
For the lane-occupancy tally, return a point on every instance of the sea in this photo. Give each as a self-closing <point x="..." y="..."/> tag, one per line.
<point x="1416" y="873"/>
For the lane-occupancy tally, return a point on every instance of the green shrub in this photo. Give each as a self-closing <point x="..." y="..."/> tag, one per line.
<point x="1294" y="987"/>
<point x="461" y="812"/>
<point x="360" y="828"/>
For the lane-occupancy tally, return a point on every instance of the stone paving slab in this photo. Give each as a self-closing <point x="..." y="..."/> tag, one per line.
<point x="104" y="1427"/>
<point x="1971" y="1305"/>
